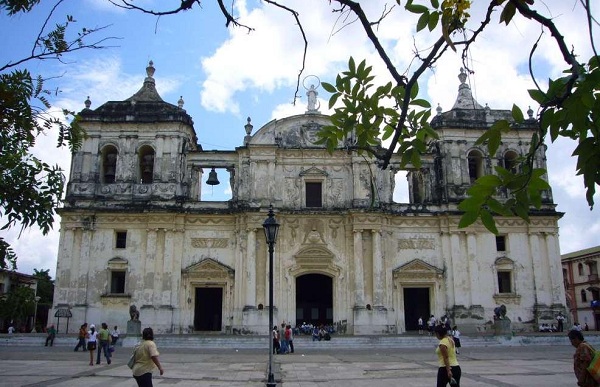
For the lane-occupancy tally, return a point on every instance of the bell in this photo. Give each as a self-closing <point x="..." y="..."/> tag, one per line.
<point x="212" y="178"/>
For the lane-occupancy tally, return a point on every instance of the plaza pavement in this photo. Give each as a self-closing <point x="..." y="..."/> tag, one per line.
<point x="523" y="366"/>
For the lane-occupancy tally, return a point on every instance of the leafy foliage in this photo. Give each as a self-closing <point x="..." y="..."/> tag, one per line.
<point x="45" y="286"/>
<point x="30" y="189"/>
<point x="367" y="113"/>
<point x="568" y="108"/>
<point x="17" y="305"/>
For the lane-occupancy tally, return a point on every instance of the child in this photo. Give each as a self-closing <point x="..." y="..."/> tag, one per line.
<point x="456" y="337"/>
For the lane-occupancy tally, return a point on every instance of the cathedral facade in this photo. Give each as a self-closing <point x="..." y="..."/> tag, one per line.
<point x="135" y="232"/>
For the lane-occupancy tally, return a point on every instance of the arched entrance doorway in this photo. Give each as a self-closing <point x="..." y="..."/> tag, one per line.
<point x="314" y="299"/>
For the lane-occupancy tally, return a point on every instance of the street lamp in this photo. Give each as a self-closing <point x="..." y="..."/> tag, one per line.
<point x="271" y="227"/>
<point x="37" y="299"/>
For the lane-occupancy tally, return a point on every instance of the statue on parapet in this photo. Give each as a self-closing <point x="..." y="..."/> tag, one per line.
<point x="134" y="313"/>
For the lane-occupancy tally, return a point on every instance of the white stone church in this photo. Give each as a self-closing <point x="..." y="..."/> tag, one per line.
<point x="135" y="232"/>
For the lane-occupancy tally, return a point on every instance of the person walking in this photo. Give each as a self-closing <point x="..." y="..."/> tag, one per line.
<point x="275" y="334"/>
<point x="560" y="321"/>
<point x="456" y="337"/>
<point x="289" y="336"/>
<point x="283" y="341"/>
<point x="51" y="335"/>
<point x="449" y="370"/>
<point x="584" y="353"/>
<point x="431" y="324"/>
<point x="103" y="343"/>
<point x="92" y="341"/>
<point x="81" y="337"/>
<point x="145" y="356"/>
<point x="420" y="324"/>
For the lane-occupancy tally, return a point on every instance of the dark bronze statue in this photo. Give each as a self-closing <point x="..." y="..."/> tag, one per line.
<point x="134" y="313"/>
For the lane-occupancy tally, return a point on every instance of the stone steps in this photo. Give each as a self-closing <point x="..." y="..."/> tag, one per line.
<point x="305" y="342"/>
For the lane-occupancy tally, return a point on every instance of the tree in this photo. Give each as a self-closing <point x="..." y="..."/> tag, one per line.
<point x="45" y="292"/>
<point x="45" y="286"/>
<point x="17" y="305"/>
<point x="392" y="111"/>
<point x="30" y="189"/>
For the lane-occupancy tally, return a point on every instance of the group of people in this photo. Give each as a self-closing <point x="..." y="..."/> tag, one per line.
<point x="103" y="341"/>
<point x="145" y="354"/>
<point x="283" y="339"/>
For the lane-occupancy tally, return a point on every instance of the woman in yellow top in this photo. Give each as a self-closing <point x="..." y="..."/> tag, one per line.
<point x="449" y="371"/>
<point x="146" y="358"/>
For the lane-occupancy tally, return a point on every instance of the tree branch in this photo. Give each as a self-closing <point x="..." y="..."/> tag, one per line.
<point x="367" y="26"/>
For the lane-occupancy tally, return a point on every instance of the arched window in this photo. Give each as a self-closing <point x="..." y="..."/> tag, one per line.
<point x="583" y="296"/>
<point x="510" y="161"/>
<point x="475" y="160"/>
<point x="146" y="164"/>
<point x="109" y="164"/>
<point x="580" y="268"/>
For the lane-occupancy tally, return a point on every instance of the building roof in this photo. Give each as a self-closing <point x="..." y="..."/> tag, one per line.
<point x="145" y="105"/>
<point x="580" y="253"/>
<point x="467" y="113"/>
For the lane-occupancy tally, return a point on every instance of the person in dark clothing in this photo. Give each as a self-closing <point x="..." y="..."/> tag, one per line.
<point x="51" y="335"/>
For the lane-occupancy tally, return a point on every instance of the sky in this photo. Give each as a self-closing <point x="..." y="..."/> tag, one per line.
<point x="226" y="75"/>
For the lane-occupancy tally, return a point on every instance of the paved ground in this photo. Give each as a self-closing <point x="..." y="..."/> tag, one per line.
<point x="525" y="366"/>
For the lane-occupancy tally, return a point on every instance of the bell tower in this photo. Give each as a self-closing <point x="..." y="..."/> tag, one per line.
<point x="134" y="150"/>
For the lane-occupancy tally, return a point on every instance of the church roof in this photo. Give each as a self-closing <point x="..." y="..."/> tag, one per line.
<point x="144" y="106"/>
<point x="468" y="113"/>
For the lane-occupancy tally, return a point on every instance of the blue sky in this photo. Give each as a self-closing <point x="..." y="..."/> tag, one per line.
<point x="226" y="75"/>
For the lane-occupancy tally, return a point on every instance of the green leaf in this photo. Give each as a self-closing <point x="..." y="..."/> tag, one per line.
<point x="489" y="181"/>
<point x="517" y="114"/>
<point x="423" y="21"/>
<point x="420" y="102"/>
<point x="507" y="13"/>
<point x="537" y="95"/>
<point x="433" y="20"/>
<point x="488" y="221"/>
<point x="416" y="8"/>
<point x="468" y="219"/>
<point x="328" y="87"/>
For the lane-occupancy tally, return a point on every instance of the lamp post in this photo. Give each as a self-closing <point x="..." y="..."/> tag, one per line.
<point x="36" y="299"/>
<point x="271" y="227"/>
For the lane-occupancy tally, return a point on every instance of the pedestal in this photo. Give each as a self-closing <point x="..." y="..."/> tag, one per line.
<point x="502" y="327"/>
<point x="134" y="328"/>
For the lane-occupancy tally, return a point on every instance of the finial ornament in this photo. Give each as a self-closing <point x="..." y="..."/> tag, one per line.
<point x="530" y="113"/>
<point x="462" y="77"/>
<point x="248" y="127"/>
<point x="87" y="102"/>
<point x="150" y="69"/>
<point x="438" y="109"/>
<point x="180" y="102"/>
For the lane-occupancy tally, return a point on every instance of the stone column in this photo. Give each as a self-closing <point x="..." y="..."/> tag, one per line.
<point x="473" y="269"/>
<point x="459" y="270"/>
<point x="541" y="295"/>
<point x="359" y="281"/>
<point x="251" y="268"/>
<point x="378" y="272"/>
<point x="148" y="267"/>
<point x="555" y="266"/>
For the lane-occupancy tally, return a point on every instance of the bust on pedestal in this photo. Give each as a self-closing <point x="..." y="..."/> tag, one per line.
<point x="502" y="324"/>
<point x="134" y="326"/>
